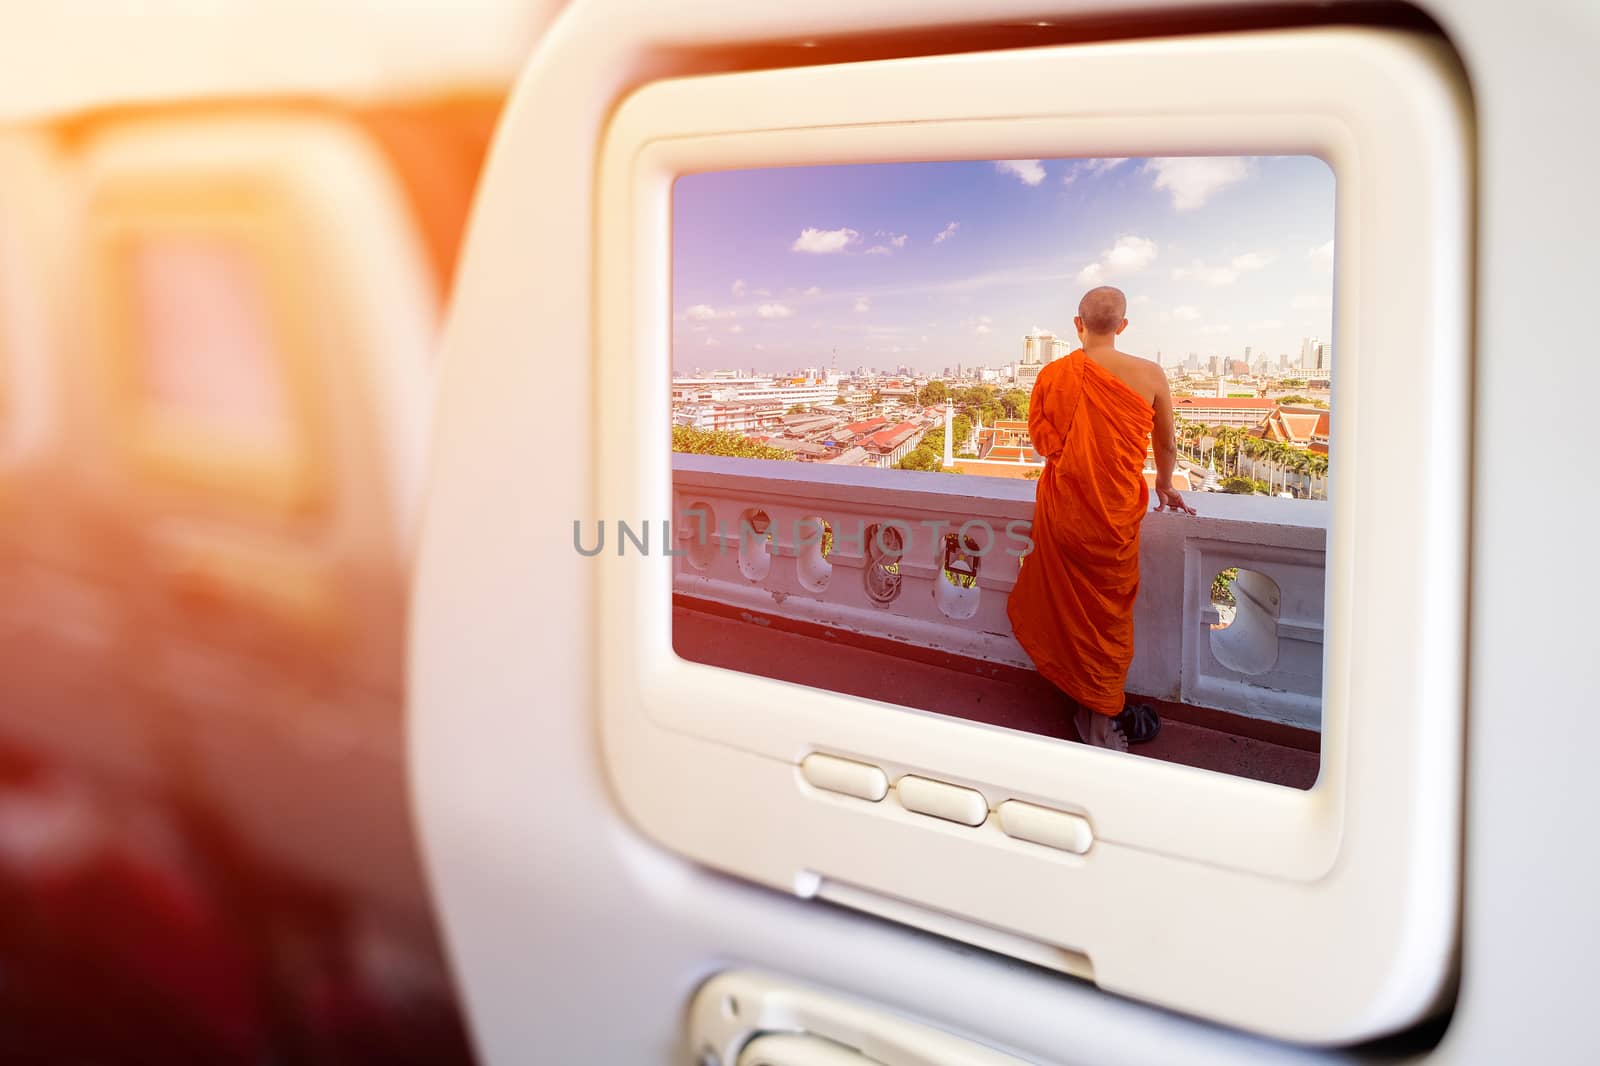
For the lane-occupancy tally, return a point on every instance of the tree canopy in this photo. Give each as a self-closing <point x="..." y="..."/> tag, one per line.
<point x="721" y="442"/>
<point x="1014" y="403"/>
<point x="929" y="453"/>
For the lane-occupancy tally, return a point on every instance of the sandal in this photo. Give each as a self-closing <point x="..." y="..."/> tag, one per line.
<point x="1139" y="722"/>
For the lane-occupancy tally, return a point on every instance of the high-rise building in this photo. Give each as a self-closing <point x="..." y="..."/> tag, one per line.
<point x="1041" y="346"/>
<point x="1325" y="358"/>
<point x="1283" y="361"/>
<point x="1247" y="353"/>
<point x="1308" y="352"/>
<point x="1214" y="365"/>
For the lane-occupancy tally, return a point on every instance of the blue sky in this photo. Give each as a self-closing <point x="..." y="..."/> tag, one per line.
<point x="930" y="264"/>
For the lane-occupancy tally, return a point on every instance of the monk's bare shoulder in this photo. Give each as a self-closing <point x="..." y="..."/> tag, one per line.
<point x="1145" y="375"/>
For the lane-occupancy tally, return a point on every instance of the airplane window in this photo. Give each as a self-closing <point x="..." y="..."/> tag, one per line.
<point x="206" y="329"/>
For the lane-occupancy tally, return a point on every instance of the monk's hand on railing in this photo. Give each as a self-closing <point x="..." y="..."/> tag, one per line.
<point x="1170" y="499"/>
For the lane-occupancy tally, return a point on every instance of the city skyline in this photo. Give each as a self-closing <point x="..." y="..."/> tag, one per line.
<point x="932" y="264"/>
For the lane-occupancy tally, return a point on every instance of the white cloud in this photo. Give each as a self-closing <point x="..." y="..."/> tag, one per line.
<point x="1186" y="313"/>
<point x="862" y="304"/>
<point x="1031" y="171"/>
<point x="1198" y="270"/>
<point x="712" y="342"/>
<point x="1142" y="298"/>
<point x="1267" y="323"/>
<point x="813" y="291"/>
<point x="823" y="241"/>
<point x="774" y="311"/>
<point x="738" y="288"/>
<point x="985" y="319"/>
<point x="1322" y="253"/>
<point x="1307" y="301"/>
<point x="946" y="233"/>
<point x="736" y="328"/>
<point x="1192" y="180"/>
<point x="706" y="313"/>
<point x="1212" y="331"/>
<point x="1091" y="167"/>
<point x="1128" y="255"/>
<point x="982" y="329"/>
<point x="760" y="292"/>
<point x="893" y="241"/>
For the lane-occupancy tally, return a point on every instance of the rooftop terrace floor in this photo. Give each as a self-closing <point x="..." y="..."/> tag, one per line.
<point x="787" y="650"/>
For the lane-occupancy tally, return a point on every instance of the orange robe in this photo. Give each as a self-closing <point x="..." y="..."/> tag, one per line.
<point x="1072" y="608"/>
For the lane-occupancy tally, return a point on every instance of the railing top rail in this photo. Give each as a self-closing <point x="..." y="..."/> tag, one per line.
<point x="968" y="493"/>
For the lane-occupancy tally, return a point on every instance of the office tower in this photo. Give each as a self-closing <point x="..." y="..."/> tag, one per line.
<point x="1039" y="347"/>
<point x="1308" y="352"/>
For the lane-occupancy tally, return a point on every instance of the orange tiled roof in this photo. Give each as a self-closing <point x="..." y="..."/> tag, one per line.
<point x="868" y="426"/>
<point x="1222" y="403"/>
<point x="891" y="438"/>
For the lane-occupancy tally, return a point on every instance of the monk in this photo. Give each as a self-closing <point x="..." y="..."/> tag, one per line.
<point x="1091" y="416"/>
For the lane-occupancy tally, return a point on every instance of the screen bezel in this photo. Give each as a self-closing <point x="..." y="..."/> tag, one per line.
<point x="676" y="691"/>
<point x="1373" y="845"/>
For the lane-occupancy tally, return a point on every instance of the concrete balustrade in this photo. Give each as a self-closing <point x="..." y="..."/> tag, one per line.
<point x="904" y="541"/>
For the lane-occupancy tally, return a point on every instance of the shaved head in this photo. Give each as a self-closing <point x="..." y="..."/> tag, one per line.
<point x="1103" y="310"/>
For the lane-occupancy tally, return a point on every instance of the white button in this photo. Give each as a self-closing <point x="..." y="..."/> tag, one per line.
<point x="950" y="802"/>
<point x="1041" y="825"/>
<point x="833" y="774"/>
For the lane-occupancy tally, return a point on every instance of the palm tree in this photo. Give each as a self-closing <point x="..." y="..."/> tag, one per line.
<point x="1302" y="467"/>
<point x="1318" y="468"/>
<point x="1230" y="447"/>
<point x="1279" y="453"/>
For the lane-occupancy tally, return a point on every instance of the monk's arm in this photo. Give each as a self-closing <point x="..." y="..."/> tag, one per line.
<point x="1163" y="435"/>
<point x="1041" y="431"/>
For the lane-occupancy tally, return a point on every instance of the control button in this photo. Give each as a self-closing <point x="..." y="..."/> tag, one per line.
<point x="833" y="774"/>
<point x="950" y="802"/>
<point x="1041" y="825"/>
